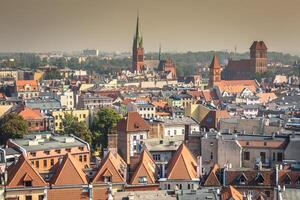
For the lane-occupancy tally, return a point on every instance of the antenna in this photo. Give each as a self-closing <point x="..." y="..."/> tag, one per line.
<point x="235" y="48"/>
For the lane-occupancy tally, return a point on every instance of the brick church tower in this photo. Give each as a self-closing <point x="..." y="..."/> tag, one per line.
<point x="215" y="72"/>
<point x="258" y="56"/>
<point x="137" y="50"/>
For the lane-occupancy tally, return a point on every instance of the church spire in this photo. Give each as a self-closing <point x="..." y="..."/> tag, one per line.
<point x="138" y="40"/>
<point x="159" y="52"/>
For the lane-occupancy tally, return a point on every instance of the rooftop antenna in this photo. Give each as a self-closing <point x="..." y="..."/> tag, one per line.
<point x="235" y="48"/>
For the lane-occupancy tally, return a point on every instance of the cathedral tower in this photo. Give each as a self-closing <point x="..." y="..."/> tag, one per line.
<point x="258" y="56"/>
<point x="137" y="50"/>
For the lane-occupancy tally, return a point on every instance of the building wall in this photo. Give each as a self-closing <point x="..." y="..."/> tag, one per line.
<point x="82" y="115"/>
<point x="67" y="100"/>
<point x="170" y="184"/>
<point x="68" y="194"/>
<point x="22" y="193"/>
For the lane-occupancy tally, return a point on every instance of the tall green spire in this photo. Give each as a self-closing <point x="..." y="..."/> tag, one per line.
<point x="138" y="39"/>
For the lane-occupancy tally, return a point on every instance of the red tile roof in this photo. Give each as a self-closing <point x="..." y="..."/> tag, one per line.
<point x="212" y="179"/>
<point x="111" y="166"/>
<point x="145" y="168"/>
<point x="68" y="172"/>
<point x="133" y="122"/>
<point x="230" y="193"/>
<point x="236" y="86"/>
<point x="23" y="171"/>
<point x="22" y="83"/>
<point x="30" y="114"/>
<point x="183" y="165"/>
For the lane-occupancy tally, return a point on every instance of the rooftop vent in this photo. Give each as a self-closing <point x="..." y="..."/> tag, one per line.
<point x="69" y="140"/>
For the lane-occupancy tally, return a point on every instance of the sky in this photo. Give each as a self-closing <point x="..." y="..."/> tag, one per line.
<point x="178" y="25"/>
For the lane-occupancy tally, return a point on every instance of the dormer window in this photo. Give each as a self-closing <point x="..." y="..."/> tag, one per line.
<point x="143" y="179"/>
<point x="106" y="179"/>
<point x="242" y="179"/>
<point x="259" y="179"/>
<point x="28" y="183"/>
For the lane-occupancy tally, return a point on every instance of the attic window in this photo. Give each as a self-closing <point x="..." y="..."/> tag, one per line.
<point x="242" y="179"/>
<point x="28" y="183"/>
<point x="259" y="179"/>
<point x="247" y="143"/>
<point x="136" y="126"/>
<point x="106" y="179"/>
<point x="143" y="179"/>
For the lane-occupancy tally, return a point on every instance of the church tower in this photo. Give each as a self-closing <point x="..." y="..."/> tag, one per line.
<point x="137" y="50"/>
<point x="258" y="56"/>
<point x="214" y="72"/>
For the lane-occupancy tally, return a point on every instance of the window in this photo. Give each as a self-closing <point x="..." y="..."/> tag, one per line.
<point x="68" y="150"/>
<point x="259" y="179"/>
<point x="169" y="186"/>
<point x="169" y="132"/>
<point x="247" y="143"/>
<point x="84" y="158"/>
<point x="81" y="148"/>
<point x="211" y="155"/>
<point x="265" y="143"/>
<point x="45" y="163"/>
<point x="57" y="151"/>
<point x="134" y="147"/>
<point x="141" y="137"/>
<point x="41" y="197"/>
<point x="268" y="194"/>
<point x="175" y="132"/>
<point x="52" y="162"/>
<point x="47" y="152"/>
<point x="33" y="154"/>
<point x="134" y="137"/>
<point x="279" y="157"/>
<point x="156" y="157"/>
<point x="143" y="179"/>
<point x="107" y="179"/>
<point x="27" y="183"/>
<point x="246" y="155"/>
<point x="189" y="186"/>
<point x="263" y="157"/>
<point x="84" y="116"/>
<point x="29" y="197"/>
<point x="80" y="158"/>
<point x="36" y="124"/>
<point x="182" y="131"/>
<point x="242" y="179"/>
<point x="274" y="156"/>
<point x="287" y="180"/>
<point x="37" y="164"/>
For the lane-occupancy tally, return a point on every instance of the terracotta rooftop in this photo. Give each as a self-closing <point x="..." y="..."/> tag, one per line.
<point x="183" y="165"/>
<point x="21" y="83"/>
<point x="133" y="122"/>
<point x="236" y="86"/>
<point x="145" y="168"/>
<point x="230" y="193"/>
<point x="266" y="97"/>
<point x="30" y="114"/>
<point x="69" y="171"/>
<point x="23" y="171"/>
<point x="112" y="165"/>
<point x="212" y="178"/>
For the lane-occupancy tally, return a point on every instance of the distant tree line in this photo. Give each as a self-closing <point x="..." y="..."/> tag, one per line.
<point x="186" y="63"/>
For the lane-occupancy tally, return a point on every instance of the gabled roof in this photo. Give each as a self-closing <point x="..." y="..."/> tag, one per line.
<point x="183" y="165"/>
<point x="215" y="62"/>
<point x="112" y="166"/>
<point x="68" y="172"/>
<point x="23" y="171"/>
<point x="230" y="193"/>
<point x="258" y="45"/>
<point x="145" y="168"/>
<point x="212" y="179"/>
<point x="30" y="114"/>
<point x="133" y="122"/>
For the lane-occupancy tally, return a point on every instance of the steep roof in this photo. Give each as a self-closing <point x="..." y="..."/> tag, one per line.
<point x="133" y="122"/>
<point x="212" y="179"/>
<point x="183" y="165"/>
<point x="146" y="168"/>
<point x="23" y="171"/>
<point x="112" y="166"/>
<point x="258" y="45"/>
<point x="230" y="193"/>
<point x="69" y="172"/>
<point x="215" y="62"/>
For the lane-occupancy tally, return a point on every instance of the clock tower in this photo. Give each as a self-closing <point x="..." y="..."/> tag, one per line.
<point x="214" y="71"/>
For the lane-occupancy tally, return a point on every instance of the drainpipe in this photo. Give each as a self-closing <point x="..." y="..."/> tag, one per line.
<point x="277" y="174"/>
<point x="224" y="176"/>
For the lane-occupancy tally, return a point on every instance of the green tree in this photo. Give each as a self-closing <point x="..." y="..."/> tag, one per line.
<point x="104" y="121"/>
<point x="71" y="125"/>
<point x="12" y="126"/>
<point x="53" y="74"/>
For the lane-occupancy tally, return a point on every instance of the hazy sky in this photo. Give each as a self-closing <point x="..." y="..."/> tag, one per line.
<point x="179" y="25"/>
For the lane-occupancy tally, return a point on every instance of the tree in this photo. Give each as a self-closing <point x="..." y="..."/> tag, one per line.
<point x="105" y="120"/>
<point x="71" y="125"/>
<point x="12" y="126"/>
<point x="53" y="74"/>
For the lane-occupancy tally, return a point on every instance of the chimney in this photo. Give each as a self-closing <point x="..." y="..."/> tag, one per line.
<point x="277" y="174"/>
<point x="199" y="166"/>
